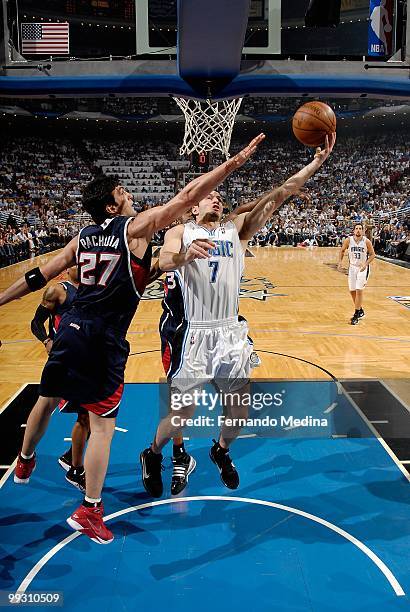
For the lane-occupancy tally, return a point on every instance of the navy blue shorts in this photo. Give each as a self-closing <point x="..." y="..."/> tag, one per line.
<point x="86" y="365"/>
<point x="172" y="334"/>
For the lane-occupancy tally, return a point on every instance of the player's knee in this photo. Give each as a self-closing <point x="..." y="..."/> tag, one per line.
<point x="102" y="426"/>
<point x="182" y="414"/>
<point x="46" y="405"/>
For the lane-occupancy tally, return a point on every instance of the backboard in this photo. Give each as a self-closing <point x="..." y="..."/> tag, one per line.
<point x="156" y="27"/>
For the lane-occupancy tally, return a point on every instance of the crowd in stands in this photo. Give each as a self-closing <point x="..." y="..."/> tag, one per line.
<point x="24" y="242"/>
<point x="149" y="107"/>
<point x="365" y="180"/>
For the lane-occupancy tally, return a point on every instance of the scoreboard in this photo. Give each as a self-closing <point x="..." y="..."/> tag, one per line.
<point x="200" y="161"/>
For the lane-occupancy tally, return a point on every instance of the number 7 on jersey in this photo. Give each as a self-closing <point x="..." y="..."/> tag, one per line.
<point x="214" y="271"/>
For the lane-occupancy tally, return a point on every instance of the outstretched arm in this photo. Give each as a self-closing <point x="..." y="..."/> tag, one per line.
<point x="150" y="221"/>
<point x="50" y="270"/>
<point x="244" y="208"/>
<point x="249" y="223"/>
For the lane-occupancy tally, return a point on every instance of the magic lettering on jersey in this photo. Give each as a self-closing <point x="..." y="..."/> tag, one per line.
<point x="90" y="242"/>
<point x="358" y="249"/>
<point x="223" y="248"/>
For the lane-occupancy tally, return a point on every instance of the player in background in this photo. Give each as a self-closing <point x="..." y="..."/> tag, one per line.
<point x="87" y="361"/>
<point x="204" y="262"/>
<point x="361" y="254"/>
<point x="58" y="299"/>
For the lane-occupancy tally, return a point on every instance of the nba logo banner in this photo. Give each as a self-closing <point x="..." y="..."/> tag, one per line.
<point x="380" y="27"/>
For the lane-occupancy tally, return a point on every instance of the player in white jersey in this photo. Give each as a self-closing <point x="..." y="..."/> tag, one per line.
<point x="171" y="332"/>
<point x="361" y="254"/>
<point x="205" y="259"/>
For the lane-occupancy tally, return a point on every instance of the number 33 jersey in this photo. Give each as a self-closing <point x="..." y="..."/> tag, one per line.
<point x="111" y="279"/>
<point x="210" y="287"/>
<point x="357" y="252"/>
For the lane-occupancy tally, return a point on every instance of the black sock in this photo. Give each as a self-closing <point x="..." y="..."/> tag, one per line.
<point x="87" y="504"/>
<point x="178" y="449"/>
<point x="25" y="460"/>
<point x="221" y="449"/>
<point x="77" y="471"/>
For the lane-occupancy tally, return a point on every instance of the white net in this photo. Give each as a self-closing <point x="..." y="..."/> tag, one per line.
<point x="208" y="124"/>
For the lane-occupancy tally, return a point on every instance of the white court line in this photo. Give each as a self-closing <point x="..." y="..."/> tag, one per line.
<point x="2" y="409"/>
<point x="121" y="429"/>
<point x="247" y="436"/>
<point x="355" y="392"/>
<point x="13" y="397"/>
<point x="331" y="408"/>
<point x="378" y="438"/>
<point x="4" y="467"/>
<point x="339" y="436"/>
<point x="7" y="474"/>
<point x="67" y="440"/>
<point x="378" y="422"/>
<point x="406" y="462"/>
<point x="246" y="500"/>
<point x="291" y="427"/>
<point x="23" y="425"/>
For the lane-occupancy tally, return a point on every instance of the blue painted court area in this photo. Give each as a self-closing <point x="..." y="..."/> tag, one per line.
<point x="318" y="524"/>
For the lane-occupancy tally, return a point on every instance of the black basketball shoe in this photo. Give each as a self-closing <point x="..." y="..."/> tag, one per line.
<point x="355" y="319"/>
<point x="184" y="465"/>
<point x="227" y="470"/>
<point x="361" y="313"/>
<point x="65" y="460"/>
<point x="76" y="477"/>
<point x="151" y="465"/>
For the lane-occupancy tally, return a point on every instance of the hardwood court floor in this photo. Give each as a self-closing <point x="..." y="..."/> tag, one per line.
<point x="304" y="315"/>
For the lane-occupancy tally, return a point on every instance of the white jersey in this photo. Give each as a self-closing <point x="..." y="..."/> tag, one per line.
<point x="210" y="287"/>
<point x="357" y="252"/>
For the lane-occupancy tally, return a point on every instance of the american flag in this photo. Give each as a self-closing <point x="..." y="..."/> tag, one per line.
<point x="41" y="38"/>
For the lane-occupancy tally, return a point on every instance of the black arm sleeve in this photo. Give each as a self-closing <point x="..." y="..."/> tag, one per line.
<point x="37" y="324"/>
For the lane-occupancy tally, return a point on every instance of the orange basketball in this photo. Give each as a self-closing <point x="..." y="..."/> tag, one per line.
<point x="312" y="122"/>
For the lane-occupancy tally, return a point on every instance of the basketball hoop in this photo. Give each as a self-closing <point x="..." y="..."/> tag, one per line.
<point x="208" y="124"/>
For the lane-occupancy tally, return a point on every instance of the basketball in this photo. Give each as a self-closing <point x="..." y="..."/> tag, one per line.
<point x="312" y="122"/>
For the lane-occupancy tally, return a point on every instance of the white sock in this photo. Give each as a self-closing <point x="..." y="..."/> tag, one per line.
<point x="90" y="500"/>
<point x="27" y="456"/>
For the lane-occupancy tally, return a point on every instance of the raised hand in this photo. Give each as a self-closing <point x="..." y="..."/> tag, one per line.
<point x="240" y="158"/>
<point x="322" y="155"/>
<point x="199" y="249"/>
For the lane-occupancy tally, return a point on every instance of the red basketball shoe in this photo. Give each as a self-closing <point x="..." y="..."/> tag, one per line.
<point x="89" y="521"/>
<point x="24" y="469"/>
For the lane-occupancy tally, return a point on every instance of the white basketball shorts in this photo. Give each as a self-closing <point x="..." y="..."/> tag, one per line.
<point x="217" y="351"/>
<point x="357" y="279"/>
